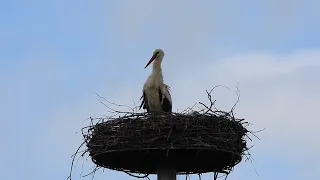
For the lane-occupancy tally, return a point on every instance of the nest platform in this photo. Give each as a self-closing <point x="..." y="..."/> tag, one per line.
<point x="194" y="143"/>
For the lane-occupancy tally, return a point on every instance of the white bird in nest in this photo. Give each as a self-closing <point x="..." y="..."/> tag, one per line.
<point x="156" y="96"/>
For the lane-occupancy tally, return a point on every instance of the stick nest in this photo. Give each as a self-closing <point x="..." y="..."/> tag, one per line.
<point x="191" y="143"/>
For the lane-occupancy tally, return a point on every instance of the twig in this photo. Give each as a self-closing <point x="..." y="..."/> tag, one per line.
<point x="119" y="105"/>
<point x="73" y="157"/>
<point x="238" y="98"/>
<point x="144" y="176"/>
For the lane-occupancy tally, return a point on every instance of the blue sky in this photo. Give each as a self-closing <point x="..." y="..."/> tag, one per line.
<point x="56" y="54"/>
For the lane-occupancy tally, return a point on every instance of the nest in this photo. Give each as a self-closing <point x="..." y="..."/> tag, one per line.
<point x="191" y="142"/>
<point x="195" y="143"/>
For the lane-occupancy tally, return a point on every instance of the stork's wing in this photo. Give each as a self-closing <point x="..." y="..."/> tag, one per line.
<point x="165" y="98"/>
<point x="168" y="87"/>
<point x="144" y="102"/>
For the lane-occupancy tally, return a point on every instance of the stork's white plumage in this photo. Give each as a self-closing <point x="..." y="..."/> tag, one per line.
<point x="156" y="96"/>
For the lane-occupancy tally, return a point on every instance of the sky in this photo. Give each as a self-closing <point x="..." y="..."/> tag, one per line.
<point x="55" y="55"/>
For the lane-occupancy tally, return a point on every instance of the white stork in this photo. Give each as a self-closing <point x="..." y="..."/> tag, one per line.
<point x="156" y="96"/>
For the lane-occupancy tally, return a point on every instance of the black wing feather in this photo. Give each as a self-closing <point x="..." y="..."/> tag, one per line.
<point x="144" y="102"/>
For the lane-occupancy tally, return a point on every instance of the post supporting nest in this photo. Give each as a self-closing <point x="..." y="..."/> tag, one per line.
<point x="166" y="173"/>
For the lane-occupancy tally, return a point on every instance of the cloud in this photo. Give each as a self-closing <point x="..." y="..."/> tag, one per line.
<point x="278" y="92"/>
<point x="189" y="26"/>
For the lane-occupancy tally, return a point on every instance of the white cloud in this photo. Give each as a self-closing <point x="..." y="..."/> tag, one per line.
<point x="188" y="26"/>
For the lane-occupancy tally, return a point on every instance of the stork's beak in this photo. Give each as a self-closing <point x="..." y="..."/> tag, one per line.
<point x="150" y="61"/>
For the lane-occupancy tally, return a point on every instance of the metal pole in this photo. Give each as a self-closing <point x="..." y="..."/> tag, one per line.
<point x="165" y="173"/>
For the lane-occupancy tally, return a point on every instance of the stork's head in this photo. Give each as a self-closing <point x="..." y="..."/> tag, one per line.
<point x="157" y="55"/>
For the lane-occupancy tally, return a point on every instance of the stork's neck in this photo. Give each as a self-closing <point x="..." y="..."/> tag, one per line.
<point x="157" y="71"/>
<point x="157" y="65"/>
